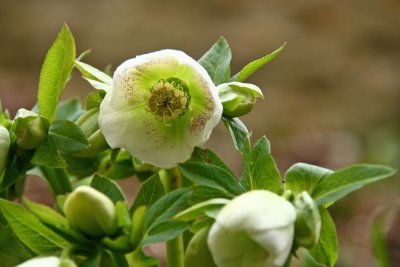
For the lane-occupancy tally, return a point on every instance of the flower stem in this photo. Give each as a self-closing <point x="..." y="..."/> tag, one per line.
<point x="175" y="248"/>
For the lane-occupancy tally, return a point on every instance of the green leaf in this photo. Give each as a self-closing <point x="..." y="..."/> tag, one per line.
<point x="199" y="209"/>
<point x="94" y="99"/>
<point x="55" y="72"/>
<point x="16" y="168"/>
<point x="164" y="231"/>
<point x="260" y="172"/>
<point x="217" y="61"/>
<point x="344" y="181"/>
<point x="92" y="73"/>
<point x="47" y="155"/>
<point x="206" y="155"/>
<point x="98" y="85"/>
<point x="45" y="214"/>
<point x="30" y="231"/>
<point x="12" y="250"/>
<point x="239" y="134"/>
<point x="303" y="177"/>
<point x="67" y="136"/>
<point x="204" y="193"/>
<point x="150" y="191"/>
<point x="326" y="251"/>
<point x="167" y="206"/>
<point x="139" y="259"/>
<point x="69" y="110"/>
<point x="122" y="168"/>
<point x="108" y="187"/>
<point x="253" y="66"/>
<point x="212" y="176"/>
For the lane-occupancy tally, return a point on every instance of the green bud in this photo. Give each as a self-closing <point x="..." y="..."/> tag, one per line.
<point x="238" y="98"/>
<point x="4" y="147"/>
<point x="138" y="225"/>
<point x="30" y="129"/>
<point x="198" y="254"/>
<point x="89" y="125"/>
<point x="90" y="212"/>
<point x="308" y="221"/>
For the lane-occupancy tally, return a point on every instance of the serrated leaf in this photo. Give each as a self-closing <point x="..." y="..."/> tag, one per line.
<point x="326" y="251"/>
<point x="253" y="66"/>
<point x="206" y="155"/>
<point x="47" y="155"/>
<point x="92" y="73"/>
<point x="94" y="99"/>
<point x="199" y="209"/>
<point x="261" y="172"/>
<point x="167" y="206"/>
<point x="164" y="231"/>
<point x="239" y="134"/>
<point x="344" y="181"/>
<point x="150" y="191"/>
<point x="108" y="187"/>
<point x="217" y="61"/>
<point x="303" y="177"/>
<point x="55" y="72"/>
<point x="209" y="175"/>
<point x="69" y="110"/>
<point x="30" y="231"/>
<point x="67" y="136"/>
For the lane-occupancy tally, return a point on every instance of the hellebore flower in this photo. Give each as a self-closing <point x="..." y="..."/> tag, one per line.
<point x="162" y="105"/>
<point x="50" y="261"/>
<point x="4" y="147"/>
<point x="255" y="229"/>
<point x="90" y="212"/>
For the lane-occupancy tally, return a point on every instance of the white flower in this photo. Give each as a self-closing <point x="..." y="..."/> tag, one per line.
<point x="4" y="147"/>
<point x="41" y="262"/>
<point x="162" y="105"/>
<point x="253" y="230"/>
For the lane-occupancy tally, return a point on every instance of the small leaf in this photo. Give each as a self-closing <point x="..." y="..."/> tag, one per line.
<point x="253" y="66"/>
<point x="108" y="187"/>
<point x="45" y="214"/>
<point x="217" y="61"/>
<point x="30" y="231"/>
<point x="344" y="181"/>
<point x="167" y="206"/>
<point x="326" y="251"/>
<point x="150" y="192"/>
<point x="69" y="110"/>
<point x="303" y="177"/>
<point x="199" y="209"/>
<point x="55" y="72"/>
<point x="260" y="172"/>
<point x="92" y="73"/>
<point x="164" y="231"/>
<point x="207" y="156"/>
<point x="94" y="99"/>
<point x="67" y="136"/>
<point x="47" y="155"/>
<point x="211" y="176"/>
<point x="239" y="134"/>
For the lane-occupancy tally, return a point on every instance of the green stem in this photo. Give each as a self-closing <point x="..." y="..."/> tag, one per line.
<point x="175" y="247"/>
<point x="58" y="180"/>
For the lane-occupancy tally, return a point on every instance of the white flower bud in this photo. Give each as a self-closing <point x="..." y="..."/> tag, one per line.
<point x="90" y="212"/>
<point x="50" y="261"/>
<point x="254" y="229"/>
<point x="162" y="105"/>
<point x="4" y="147"/>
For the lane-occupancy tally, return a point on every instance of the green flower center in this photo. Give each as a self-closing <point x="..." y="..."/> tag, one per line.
<point x="169" y="99"/>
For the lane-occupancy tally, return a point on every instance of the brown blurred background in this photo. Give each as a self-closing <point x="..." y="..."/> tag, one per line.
<point x="332" y="96"/>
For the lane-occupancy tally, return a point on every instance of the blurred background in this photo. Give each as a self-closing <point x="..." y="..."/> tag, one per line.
<point x="332" y="97"/>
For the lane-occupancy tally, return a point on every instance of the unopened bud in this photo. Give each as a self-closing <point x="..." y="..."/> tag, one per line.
<point x="89" y="125"/>
<point x="30" y="129"/>
<point x="238" y="98"/>
<point x="197" y="253"/>
<point x="91" y="212"/>
<point x="4" y="147"/>
<point x="308" y="221"/>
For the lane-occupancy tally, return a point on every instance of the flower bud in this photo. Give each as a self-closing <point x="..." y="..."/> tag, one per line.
<point x="91" y="212"/>
<point x="197" y="253"/>
<point x="238" y="98"/>
<point x="308" y="221"/>
<point x="4" y="147"/>
<point x="51" y="261"/>
<point x="89" y="125"/>
<point x="30" y="129"/>
<point x="254" y="229"/>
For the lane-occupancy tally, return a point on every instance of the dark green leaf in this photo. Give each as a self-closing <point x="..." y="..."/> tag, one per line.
<point x="30" y="231"/>
<point x="164" y="231"/>
<point x="239" y="134"/>
<point x="260" y="172"/>
<point x="167" y="206"/>
<point x="55" y="72"/>
<point x="108" y="187"/>
<point x="12" y="250"/>
<point x="326" y="251"/>
<point x="253" y="66"/>
<point x="69" y="110"/>
<point x="16" y="168"/>
<point x="344" y="181"/>
<point x="207" y="156"/>
<point x="67" y="136"/>
<point x="217" y="61"/>
<point x="150" y="191"/>
<point x="94" y="99"/>
<point x="303" y="177"/>
<point x="211" y="176"/>
<point x="203" y="193"/>
<point x="120" y="169"/>
<point x="47" y="155"/>
<point x="199" y="209"/>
